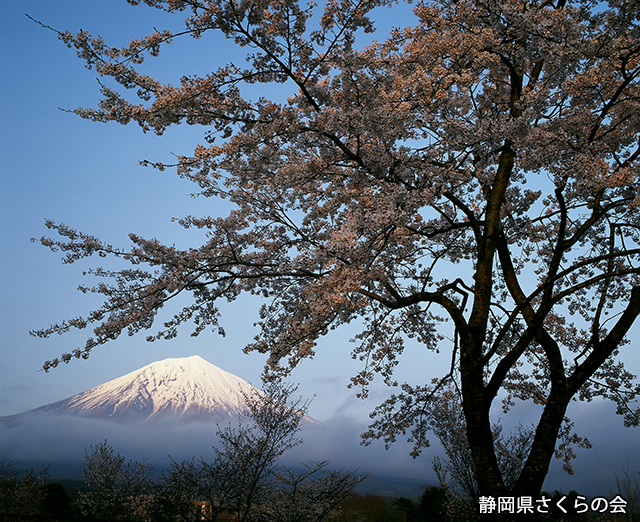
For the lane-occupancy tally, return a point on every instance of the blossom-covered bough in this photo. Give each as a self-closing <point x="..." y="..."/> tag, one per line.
<point x="479" y="168"/>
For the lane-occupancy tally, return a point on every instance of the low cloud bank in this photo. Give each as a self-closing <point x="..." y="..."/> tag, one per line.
<point x="60" y="441"/>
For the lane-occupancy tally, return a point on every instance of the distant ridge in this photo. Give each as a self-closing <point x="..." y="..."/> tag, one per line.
<point x="182" y="389"/>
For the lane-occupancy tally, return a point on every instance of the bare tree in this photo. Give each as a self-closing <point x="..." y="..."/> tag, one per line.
<point x="118" y="489"/>
<point x="309" y="495"/>
<point x="195" y="489"/>
<point x="246" y="477"/>
<point x="250" y="453"/>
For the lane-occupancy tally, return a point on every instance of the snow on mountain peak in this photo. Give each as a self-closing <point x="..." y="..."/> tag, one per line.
<point x="185" y="389"/>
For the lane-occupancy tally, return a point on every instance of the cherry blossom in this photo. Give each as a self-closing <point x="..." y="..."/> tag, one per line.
<point x="469" y="183"/>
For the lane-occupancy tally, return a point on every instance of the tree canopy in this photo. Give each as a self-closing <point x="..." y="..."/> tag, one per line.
<point x="479" y="168"/>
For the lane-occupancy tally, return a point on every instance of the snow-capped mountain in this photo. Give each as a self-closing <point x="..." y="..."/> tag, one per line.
<point x="183" y="389"/>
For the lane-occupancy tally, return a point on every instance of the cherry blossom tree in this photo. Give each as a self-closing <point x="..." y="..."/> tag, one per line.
<point x="469" y="183"/>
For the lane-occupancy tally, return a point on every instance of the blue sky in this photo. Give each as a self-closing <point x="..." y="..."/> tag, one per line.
<point x="86" y="175"/>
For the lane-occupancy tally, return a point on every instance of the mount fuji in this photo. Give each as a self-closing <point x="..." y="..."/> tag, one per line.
<point x="180" y="390"/>
<point x="174" y="407"/>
